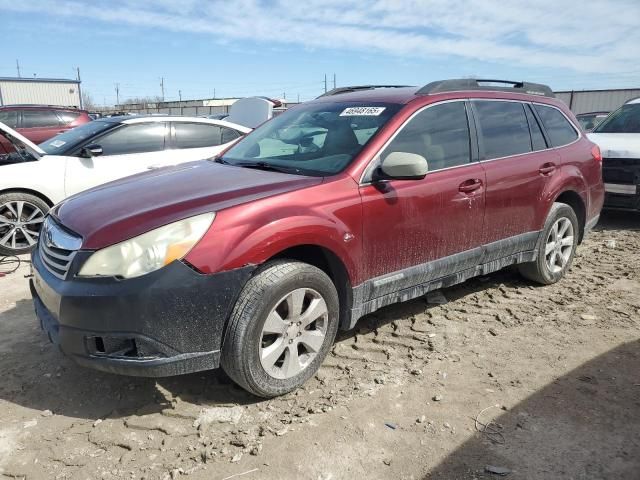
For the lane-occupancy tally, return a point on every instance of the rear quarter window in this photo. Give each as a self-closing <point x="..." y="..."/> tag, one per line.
<point x="9" y="118"/>
<point x="558" y="128"/>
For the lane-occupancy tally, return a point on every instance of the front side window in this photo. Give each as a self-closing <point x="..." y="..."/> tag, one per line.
<point x="624" y="120"/>
<point x="503" y="129"/>
<point x="67" y="142"/>
<point x="315" y="139"/>
<point x="138" y="138"/>
<point x="39" y="119"/>
<point x="558" y="128"/>
<point x="439" y="133"/>
<point x="197" y="135"/>
<point x="9" y="118"/>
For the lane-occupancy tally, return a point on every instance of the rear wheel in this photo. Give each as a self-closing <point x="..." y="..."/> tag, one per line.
<point x="281" y="328"/>
<point x="556" y="247"/>
<point x="21" y="216"/>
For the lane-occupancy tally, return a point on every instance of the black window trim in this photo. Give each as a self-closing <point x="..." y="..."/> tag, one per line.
<point x="578" y="131"/>
<point x="365" y="178"/>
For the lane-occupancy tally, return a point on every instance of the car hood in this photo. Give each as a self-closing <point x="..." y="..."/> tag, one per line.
<point x="123" y="209"/>
<point x="617" y="145"/>
<point x="20" y="142"/>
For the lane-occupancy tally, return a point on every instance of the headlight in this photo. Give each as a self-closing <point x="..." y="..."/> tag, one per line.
<point x="148" y="252"/>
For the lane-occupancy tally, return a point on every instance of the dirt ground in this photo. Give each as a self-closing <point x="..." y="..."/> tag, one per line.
<point x="541" y="381"/>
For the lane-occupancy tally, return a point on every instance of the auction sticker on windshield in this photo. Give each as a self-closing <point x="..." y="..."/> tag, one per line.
<point x="362" y="111"/>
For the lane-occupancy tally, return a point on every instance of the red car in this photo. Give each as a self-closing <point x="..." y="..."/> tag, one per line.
<point x="39" y="123"/>
<point x="364" y="197"/>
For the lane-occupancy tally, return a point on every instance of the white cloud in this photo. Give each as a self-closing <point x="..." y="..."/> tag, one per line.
<point x="587" y="37"/>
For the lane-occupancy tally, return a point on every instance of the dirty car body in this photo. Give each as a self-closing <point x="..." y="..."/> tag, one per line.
<point x="359" y="199"/>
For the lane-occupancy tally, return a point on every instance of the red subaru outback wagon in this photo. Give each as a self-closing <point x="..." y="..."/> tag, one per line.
<point x="364" y="197"/>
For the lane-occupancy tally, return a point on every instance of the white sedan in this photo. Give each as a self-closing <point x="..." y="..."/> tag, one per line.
<point x="36" y="177"/>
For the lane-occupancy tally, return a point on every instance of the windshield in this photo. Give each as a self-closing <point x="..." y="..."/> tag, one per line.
<point x="66" y="142"/>
<point x="589" y="122"/>
<point x="624" y="120"/>
<point x="317" y="139"/>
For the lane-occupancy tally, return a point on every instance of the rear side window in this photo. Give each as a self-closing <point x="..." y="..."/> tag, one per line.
<point x="39" y="119"/>
<point x="139" y="138"/>
<point x="67" y="117"/>
<point x="503" y="129"/>
<point x="197" y="135"/>
<point x="557" y="126"/>
<point x="537" y="138"/>
<point x="9" y="118"/>
<point x="439" y="133"/>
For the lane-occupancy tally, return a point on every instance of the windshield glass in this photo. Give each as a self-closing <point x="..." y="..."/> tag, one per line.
<point x="624" y="120"/>
<point x="316" y="139"/>
<point x="64" y="143"/>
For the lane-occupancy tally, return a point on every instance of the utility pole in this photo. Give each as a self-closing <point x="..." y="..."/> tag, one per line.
<point x="117" y="94"/>
<point x="162" y="87"/>
<point x="334" y="80"/>
<point x="298" y="98"/>
<point x="79" y="90"/>
<point x="180" y="94"/>
<point x="325" y="83"/>
<point x="18" y="67"/>
<point x="284" y="95"/>
<point x="214" y="93"/>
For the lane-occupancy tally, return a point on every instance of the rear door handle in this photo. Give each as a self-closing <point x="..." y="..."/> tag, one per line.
<point x="547" y="168"/>
<point x="470" y="185"/>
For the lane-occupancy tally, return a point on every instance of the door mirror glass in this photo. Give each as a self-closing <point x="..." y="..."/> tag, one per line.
<point x="403" y="166"/>
<point x="91" y="150"/>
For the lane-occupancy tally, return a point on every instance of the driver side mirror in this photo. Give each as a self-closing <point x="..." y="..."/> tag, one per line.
<point x="402" y="166"/>
<point x="91" y="150"/>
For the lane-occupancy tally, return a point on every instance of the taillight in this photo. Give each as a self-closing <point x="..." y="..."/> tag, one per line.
<point x="597" y="155"/>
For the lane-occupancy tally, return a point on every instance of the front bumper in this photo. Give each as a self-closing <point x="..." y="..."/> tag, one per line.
<point x="622" y="183"/>
<point x="168" y="322"/>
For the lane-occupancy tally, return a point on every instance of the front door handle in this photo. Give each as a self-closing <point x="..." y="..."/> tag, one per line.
<point x="470" y="185"/>
<point x="153" y="167"/>
<point x="547" y="168"/>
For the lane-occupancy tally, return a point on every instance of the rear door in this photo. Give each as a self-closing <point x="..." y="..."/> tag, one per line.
<point x="197" y="141"/>
<point x="518" y="165"/>
<point x="40" y="125"/>
<point x="130" y="149"/>
<point x="10" y="119"/>
<point x="415" y="231"/>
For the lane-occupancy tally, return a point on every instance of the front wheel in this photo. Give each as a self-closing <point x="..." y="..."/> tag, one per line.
<point x="556" y="247"/>
<point x="21" y="216"/>
<point x="281" y="328"/>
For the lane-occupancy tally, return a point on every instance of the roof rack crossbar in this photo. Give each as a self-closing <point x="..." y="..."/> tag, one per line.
<point x="481" y="84"/>
<point x="355" y="88"/>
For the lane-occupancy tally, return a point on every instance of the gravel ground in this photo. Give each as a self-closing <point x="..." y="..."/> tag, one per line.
<point x="539" y="382"/>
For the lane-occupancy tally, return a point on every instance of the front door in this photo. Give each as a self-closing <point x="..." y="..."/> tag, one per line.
<point x="130" y="149"/>
<point x="416" y="231"/>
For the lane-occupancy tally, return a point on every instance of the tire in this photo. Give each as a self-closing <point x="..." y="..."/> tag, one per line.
<point x="544" y="269"/>
<point x="250" y="351"/>
<point x="21" y="216"/>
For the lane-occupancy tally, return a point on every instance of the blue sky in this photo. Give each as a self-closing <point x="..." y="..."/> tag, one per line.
<point x="252" y="47"/>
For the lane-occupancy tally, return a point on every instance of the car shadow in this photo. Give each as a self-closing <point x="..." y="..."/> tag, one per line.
<point x="38" y="376"/>
<point x="584" y="425"/>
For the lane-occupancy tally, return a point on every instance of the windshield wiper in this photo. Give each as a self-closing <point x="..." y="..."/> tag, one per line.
<point x="267" y="167"/>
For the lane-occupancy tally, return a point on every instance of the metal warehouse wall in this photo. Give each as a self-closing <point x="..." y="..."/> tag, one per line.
<point x="39" y="91"/>
<point x="585" y="101"/>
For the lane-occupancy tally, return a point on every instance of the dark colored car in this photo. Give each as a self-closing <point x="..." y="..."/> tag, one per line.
<point x="364" y="197"/>
<point x="589" y="121"/>
<point x="39" y="123"/>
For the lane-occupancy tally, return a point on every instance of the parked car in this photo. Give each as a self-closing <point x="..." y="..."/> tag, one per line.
<point x="39" y="122"/>
<point x="35" y="177"/>
<point x="619" y="140"/>
<point x="589" y="121"/>
<point x="254" y="260"/>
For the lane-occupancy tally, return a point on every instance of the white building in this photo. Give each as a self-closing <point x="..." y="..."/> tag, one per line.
<point x="41" y="91"/>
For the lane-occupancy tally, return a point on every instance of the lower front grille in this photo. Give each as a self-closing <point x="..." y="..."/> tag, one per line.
<point x="56" y="260"/>
<point x="625" y="171"/>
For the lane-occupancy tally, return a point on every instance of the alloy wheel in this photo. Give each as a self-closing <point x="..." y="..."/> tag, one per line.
<point x="20" y="223"/>
<point x="559" y="245"/>
<point x="293" y="333"/>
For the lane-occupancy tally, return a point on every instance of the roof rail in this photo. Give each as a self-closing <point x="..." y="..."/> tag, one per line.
<point x="480" y="84"/>
<point x="355" y="88"/>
